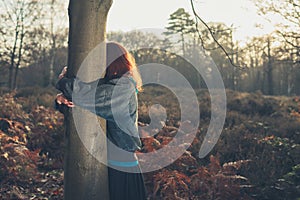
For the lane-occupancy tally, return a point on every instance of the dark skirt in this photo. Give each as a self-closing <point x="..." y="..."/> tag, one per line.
<point x="125" y="185"/>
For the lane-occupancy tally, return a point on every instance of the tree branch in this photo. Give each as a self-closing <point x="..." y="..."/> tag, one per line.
<point x="286" y="36"/>
<point x="201" y="39"/>
<point x="212" y="35"/>
<point x="7" y="10"/>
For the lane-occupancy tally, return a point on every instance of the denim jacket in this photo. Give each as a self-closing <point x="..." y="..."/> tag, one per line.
<point x="114" y="100"/>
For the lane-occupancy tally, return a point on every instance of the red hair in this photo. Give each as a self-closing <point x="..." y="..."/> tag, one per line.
<point x="119" y="62"/>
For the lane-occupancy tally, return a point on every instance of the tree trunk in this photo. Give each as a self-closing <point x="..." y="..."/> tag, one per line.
<point x="85" y="177"/>
<point x="15" y="80"/>
<point x="14" y="85"/>
<point x="53" y="46"/>
<point x="233" y="68"/>
<point x="12" y="59"/>
<point x="270" y="71"/>
<point x="183" y="45"/>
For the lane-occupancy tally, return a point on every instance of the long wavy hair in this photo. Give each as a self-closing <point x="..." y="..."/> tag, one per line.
<point x="120" y="62"/>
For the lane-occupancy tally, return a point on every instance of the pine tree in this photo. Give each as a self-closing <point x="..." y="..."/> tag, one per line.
<point x="180" y="24"/>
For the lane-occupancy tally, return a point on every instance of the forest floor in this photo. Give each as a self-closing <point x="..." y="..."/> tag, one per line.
<point x="256" y="157"/>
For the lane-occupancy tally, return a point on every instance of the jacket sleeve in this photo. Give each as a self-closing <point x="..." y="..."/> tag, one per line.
<point x="65" y="85"/>
<point x="110" y="101"/>
<point x="60" y="107"/>
<point x="86" y="95"/>
<point x="114" y="101"/>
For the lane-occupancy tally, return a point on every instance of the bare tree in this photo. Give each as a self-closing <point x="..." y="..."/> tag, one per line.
<point x="289" y="28"/>
<point x="57" y="24"/>
<point x="18" y="17"/>
<point x="269" y="68"/>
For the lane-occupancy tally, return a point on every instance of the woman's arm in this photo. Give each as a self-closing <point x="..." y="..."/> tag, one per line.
<point x="114" y="101"/>
<point x="107" y="100"/>
<point x="65" y="85"/>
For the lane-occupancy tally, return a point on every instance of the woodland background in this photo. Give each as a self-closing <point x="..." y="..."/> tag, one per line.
<point x="257" y="156"/>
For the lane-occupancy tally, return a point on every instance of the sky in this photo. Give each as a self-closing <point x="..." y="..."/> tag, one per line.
<point x="127" y="15"/>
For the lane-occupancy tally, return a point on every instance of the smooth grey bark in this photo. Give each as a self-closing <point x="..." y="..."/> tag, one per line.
<point x="85" y="177"/>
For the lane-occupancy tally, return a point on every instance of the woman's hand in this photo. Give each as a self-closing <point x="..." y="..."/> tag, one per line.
<point x="61" y="99"/>
<point x="63" y="72"/>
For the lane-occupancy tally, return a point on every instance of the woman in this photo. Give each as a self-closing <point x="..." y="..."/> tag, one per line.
<point x="115" y="99"/>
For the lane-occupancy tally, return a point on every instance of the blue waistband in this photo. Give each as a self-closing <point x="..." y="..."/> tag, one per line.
<point x="123" y="164"/>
